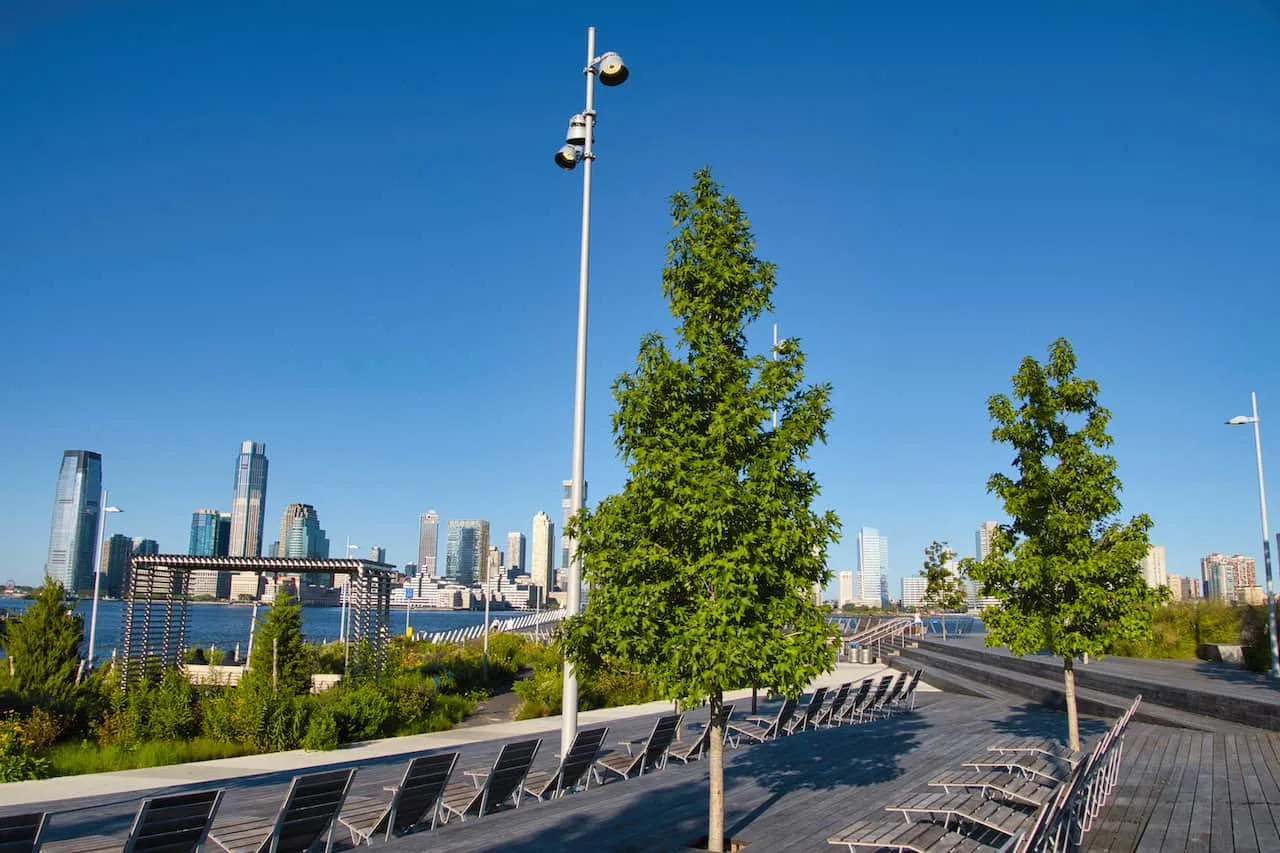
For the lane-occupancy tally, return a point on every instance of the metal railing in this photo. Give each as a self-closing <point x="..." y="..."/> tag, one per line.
<point x="534" y="622"/>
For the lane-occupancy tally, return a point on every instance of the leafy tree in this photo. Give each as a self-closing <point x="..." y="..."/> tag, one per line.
<point x="1066" y="570"/>
<point x="944" y="589"/>
<point x="702" y="569"/>
<point x="279" y="635"/>
<point x="45" y="646"/>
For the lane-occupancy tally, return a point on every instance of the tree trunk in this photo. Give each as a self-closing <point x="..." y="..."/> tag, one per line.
<point x="943" y="620"/>
<point x="1069" y="690"/>
<point x="715" y="772"/>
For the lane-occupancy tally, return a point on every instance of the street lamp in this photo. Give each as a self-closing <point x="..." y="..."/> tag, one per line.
<point x="1240" y="420"/>
<point x="578" y="141"/>
<point x="344" y="613"/>
<point x="97" y="572"/>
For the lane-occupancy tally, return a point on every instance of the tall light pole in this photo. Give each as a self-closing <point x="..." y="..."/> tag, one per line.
<point x="103" y="509"/>
<point x="344" y="618"/>
<point x="578" y="141"/>
<point x="1266" y="536"/>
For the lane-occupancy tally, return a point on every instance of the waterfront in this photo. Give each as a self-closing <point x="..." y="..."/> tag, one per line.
<point x="224" y="625"/>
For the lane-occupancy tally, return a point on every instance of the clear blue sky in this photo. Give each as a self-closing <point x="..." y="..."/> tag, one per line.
<point x="337" y="228"/>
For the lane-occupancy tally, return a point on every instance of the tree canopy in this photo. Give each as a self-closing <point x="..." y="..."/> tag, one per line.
<point x="45" y="646"/>
<point x="279" y="635"/>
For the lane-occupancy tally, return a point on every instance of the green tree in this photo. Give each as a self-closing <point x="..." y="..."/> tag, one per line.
<point x="1066" y="570"/>
<point x="279" y="649"/>
<point x="45" y="646"/>
<point x="944" y="588"/>
<point x="702" y="569"/>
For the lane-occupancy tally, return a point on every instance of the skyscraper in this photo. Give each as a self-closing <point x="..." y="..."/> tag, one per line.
<point x="873" y="564"/>
<point x="210" y="533"/>
<point x="1153" y="567"/>
<point x="428" y="543"/>
<point x="466" y="550"/>
<point x="566" y="503"/>
<point x="145" y="546"/>
<point x="73" y="535"/>
<point x="542" y="554"/>
<point x="378" y="554"/>
<point x="515" y="553"/>
<point x="249" y="501"/>
<point x="301" y="536"/>
<point x="983" y="539"/>
<point x="492" y="564"/>
<point x="116" y="553"/>
<point x="844" y="593"/>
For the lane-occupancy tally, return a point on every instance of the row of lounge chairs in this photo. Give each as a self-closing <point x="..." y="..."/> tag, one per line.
<point x="317" y="804"/>
<point x="1017" y="796"/>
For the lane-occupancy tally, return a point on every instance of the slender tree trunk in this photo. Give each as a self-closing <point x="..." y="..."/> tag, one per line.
<point x="715" y="772"/>
<point x="943" y="620"/>
<point x="1069" y="690"/>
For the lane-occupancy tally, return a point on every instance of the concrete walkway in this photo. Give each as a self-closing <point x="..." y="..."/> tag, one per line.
<point x="68" y="793"/>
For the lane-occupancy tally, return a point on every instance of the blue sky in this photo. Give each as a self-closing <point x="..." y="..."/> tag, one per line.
<point x="337" y="228"/>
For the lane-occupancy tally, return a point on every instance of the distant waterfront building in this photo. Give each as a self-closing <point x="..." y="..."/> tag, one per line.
<point x="210" y="533"/>
<point x="466" y="550"/>
<point x="913" y="592"/>
<point x="249" y="501"/>
<point x="542" y="553"/>
<point x="116" y="553"/>
<point x="844" y="591"/>
<point x="492" y="565"/>
<point x="143" y="546"/>
<point x="410" y="570"/>
<point x="566" y="503"/>
<point x="515" y="554"/>
<point x="1226" y="577"/>
<point x="873" y="567"/>
<point x="1153" y="567"/>
<point x="378" y="554"/>
<point x="983" y="539"/>
<point x="73" y="535"/>
<point x="428" y="542"/>
<point x="246" y="586"/>
<point x="301" y="537"/>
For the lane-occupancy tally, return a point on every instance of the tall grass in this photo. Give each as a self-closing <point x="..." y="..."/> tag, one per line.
<point x="73" y="759"/>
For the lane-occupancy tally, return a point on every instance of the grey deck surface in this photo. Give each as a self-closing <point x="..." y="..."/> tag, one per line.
<point x="1178" y="789"/>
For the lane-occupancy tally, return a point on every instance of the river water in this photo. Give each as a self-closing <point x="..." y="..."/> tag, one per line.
<point x="224" y="625"/>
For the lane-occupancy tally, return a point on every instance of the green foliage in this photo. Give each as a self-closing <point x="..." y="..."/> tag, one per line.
<point x="20" y="759"/>
<point x="602" y="688"/>
<point x="322" y="733"/>
<point x="1066" y="571"/>
<point x="45" y="647"/>
<point x="944" y="589"/>
<point x="279" y="634"/>
<point x="73" y="759"/>
<point x="702" y="568"/>
<point x="330" y="658"/>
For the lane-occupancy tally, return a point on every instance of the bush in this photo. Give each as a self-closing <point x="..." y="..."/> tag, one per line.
<point x="20" y="760"/>
<point x="322" y="733"/>
<point x="361" y="713"/>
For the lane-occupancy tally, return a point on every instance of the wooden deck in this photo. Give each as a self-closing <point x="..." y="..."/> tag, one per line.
<point x="1178" y="789"/>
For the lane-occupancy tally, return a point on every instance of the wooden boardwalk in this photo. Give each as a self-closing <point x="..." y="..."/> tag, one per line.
<point x="1178" y="789"/>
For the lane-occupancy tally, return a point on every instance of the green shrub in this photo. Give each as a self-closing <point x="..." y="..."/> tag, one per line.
<point x="72" y="759"/>
<point x="322" y="733"/>
<point x="361" y="713"/>
<point x="20" y="760"/>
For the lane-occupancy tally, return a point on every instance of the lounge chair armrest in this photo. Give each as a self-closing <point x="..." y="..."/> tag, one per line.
<point x="477" y="776"/>
<point x="631" y="743"/>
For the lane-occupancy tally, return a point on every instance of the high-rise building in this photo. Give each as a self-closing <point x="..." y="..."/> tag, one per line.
<point x="983" y="539"/>
<point x="515" y="554"/>
<point x="249" y="501"/>
<point x="466" y="550"/>
<point x="116" y="553"/>
<point x="73" y="535"/>
<point x="542" y="554"/>
<point x="378" y="554"/>
<point x="845" y="589"/>
<point x="566" y="506"/>
<point x="873" y="564"/>
<point x="210" y="533"/>
<point x="913" y="592"/>
<point x="1226" y="577"/>
<point x="492" y="565"/>
<point x="301" y="536"/>
<point x="1153" y="567"/>
<point x="411" y="570"/>
<point x="143" y="546"/>
<point x="428" y="542"/>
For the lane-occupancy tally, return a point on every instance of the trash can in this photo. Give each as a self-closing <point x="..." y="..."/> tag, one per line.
<point x="865" y="655"/>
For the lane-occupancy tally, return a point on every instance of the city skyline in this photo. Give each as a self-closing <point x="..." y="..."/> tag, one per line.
<point x="973" y="185"/>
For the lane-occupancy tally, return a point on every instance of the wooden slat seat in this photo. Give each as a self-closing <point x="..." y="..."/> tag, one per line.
<point x="414" y="802"/>
<point x="21" y="833"/>
<point x="177" y="823"/>
<point x="306" y="818"/>
<point x="653" y="756"/>
<point x="574" y="769"/>
<point x="963" y="806"/>
<point x="504" y="780"/>
<point x="1007" y="785"/>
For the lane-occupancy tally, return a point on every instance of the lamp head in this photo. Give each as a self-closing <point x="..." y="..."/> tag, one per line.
<point x="577" y="134"/>
<point x="567" y="157"/>
<point x="112" y="509"/>
<point x="1240" y="420"/>
<point x="613" y="72"/>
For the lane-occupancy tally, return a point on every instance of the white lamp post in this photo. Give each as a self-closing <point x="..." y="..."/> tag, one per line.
<point x="578" y="141"/>
<point x="1266" y="536"/>
<point x="345" y="612"/>
<point x="103" y="509"/>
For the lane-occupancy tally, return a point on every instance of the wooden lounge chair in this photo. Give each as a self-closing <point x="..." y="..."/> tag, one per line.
<point x="574" y="770"/>
<point x="414" y="803"/>
<point x="829" y="711"/>
<point x="853" y="707"/>
<point x="20" y="833"/>
<point x="306" y="819"/>
<point x="964" y="807"/>
<point x="689" y="752"/>
<point x="1039" y="768"/>
<point x="653" y="755"/>
<point x="918" y="837"/>
<point x="1006" y="786"/>
<point x="907" y="699"/>
<point x="1039" y="746"/>
<point x="761" y="729"/>
<point x="178" y="823"/>
<point x="803" y="721"/>
<point x="876" y="702"/>
<point x="504" y="780"/>
<point x="897" y="688"/>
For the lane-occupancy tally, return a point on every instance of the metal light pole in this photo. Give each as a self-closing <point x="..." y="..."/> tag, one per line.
<point x="103" y="509"/>
<point x="1266" y="536"/>
<point x="578" y="146"/>
<point x="344" y="618"/>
